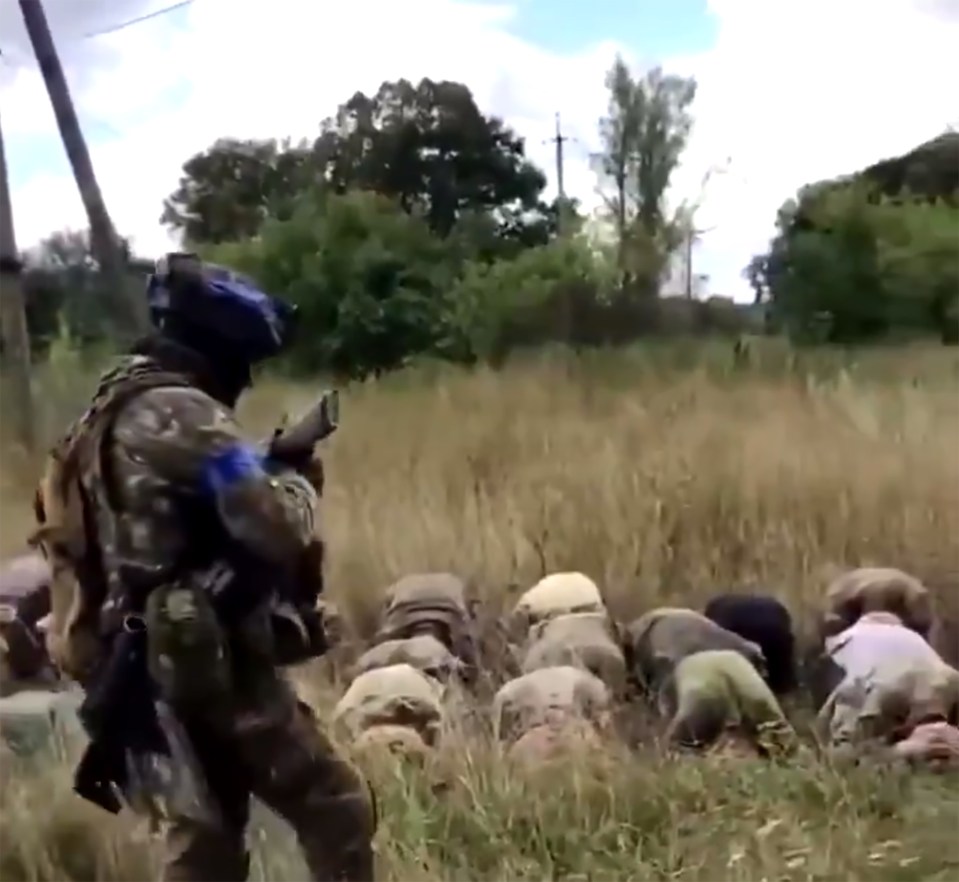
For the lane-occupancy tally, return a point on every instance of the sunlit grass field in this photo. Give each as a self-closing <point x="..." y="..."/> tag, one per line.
<point x="666" y="474"/>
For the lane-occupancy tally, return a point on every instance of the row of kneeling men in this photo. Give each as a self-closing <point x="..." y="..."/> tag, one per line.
<point x="715" y="678"/>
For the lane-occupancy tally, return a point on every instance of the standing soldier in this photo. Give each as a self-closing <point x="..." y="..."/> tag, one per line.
<point x="171" y="536"/>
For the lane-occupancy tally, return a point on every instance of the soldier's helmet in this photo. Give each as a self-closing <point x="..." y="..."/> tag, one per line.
<point x="216" y="301"/>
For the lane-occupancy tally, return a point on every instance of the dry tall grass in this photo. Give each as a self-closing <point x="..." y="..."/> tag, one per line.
<point x="665" y="482"/>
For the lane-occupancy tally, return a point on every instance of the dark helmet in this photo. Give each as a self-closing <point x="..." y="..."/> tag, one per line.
<point x="184" y="291"/>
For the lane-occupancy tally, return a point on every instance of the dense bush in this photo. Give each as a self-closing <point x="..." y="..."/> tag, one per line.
<point x="371" y="282"/>
<point x="375" y="288"/>
<point x="852" y="264"/>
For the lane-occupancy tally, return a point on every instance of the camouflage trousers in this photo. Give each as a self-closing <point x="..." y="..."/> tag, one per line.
<point x="276" y="752"/>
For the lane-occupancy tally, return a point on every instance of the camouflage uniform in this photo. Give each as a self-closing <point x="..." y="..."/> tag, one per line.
<point x="435" y="604"/>
<point x="169" y="454"/>
<point x="585" y="640"/>
<point x="539" y="712"/>
<point x="715" y="692"/>
<point x="878" y="589"/>
<point x="423" y="652"/>
<point x="398" y="695"/>
<point x="663" y="637"/>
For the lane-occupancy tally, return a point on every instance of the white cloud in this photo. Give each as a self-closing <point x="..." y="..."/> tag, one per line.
<point x="794" y="93"/>
<point x="801" y="90"/>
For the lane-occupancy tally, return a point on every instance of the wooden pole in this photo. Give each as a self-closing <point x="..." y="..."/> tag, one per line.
<point x="103" y="238"/>
<point x="13" y="319"/>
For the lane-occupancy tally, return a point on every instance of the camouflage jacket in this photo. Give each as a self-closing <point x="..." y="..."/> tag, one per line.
<point x="169" y="469"/>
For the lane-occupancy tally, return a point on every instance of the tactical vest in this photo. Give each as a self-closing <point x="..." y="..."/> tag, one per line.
<point x="77" y="473"/>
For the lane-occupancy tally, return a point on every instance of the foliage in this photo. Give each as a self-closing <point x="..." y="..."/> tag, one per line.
<point x="869" y="256"/>
<point x="643" y="135"/>
<point x="414" y="226"/>
<point x="509" y="303"/>
<point x="931" y="170"/>
<point x="849" y="265"/>
<point x="65" y="292"/>
<point x="427" y="146"/>
<point x="369" y="280"/>
<point x="227" y="191"/>
<point x="376" y="288"/>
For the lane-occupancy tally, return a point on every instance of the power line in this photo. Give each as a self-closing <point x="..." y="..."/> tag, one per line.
<point x="133" y="21"/>
<point x="123" y="25"/>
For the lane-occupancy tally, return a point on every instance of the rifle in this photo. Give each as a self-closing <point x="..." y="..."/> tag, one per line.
<point x="138" y="752"/>
<point x="292" y="445"/>
<point x="297" y="626"/>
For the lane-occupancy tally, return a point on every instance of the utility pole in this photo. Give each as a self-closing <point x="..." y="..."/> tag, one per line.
<point x="13" y="319"/>
<point x="692" y="234"/>
<point x="103" y="238"/>
<point x="559" y="139"/>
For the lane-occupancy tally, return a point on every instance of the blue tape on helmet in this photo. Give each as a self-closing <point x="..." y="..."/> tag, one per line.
<point x="252" y="298"/>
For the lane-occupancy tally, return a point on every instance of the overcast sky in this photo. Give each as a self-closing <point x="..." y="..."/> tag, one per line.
<point x="791" y="91"/>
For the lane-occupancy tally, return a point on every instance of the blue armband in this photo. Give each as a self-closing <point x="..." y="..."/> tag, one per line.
<point x="236" y="463"/>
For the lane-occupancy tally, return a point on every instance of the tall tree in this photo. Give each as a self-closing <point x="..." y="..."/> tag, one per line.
<point x="428" y="147"/>
<point x="227" y="191"/>
<point x="643" y="134"/>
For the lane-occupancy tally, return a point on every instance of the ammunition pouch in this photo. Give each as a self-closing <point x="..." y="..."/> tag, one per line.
<point x="187" y="653"/>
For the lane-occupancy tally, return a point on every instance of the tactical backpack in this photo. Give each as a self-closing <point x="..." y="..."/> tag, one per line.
<point x="67" y="530"/>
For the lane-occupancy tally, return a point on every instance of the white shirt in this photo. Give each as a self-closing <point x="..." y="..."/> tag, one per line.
<point x="866" y="647"/>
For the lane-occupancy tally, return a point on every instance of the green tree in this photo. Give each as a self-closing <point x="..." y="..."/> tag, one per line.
<point x="427" y="146"/>
<point x="227" y="191"/>
<point x="370" y="281"/>
<point x="524" y="301"/>
<point x="851" y="265"/>
<point x="65" y="289"/>
<point x="643" y="134"/>
<point x="430" y="147"/>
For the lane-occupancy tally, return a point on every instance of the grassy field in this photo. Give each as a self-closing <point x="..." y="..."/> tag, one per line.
<point x="666" y="476"/>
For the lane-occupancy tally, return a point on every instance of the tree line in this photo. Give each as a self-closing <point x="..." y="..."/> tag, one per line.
<point x="415" y="224"/>
<point x="873" y="256"/>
